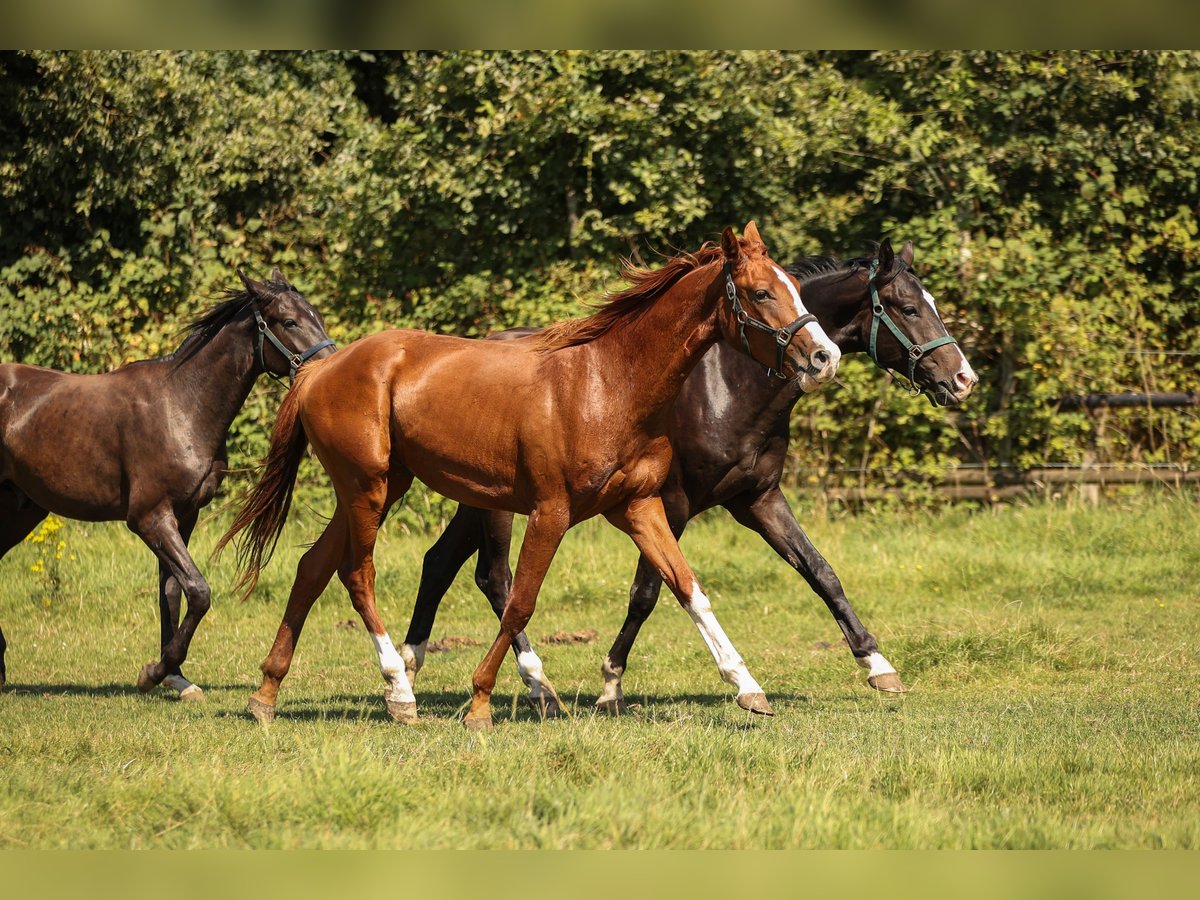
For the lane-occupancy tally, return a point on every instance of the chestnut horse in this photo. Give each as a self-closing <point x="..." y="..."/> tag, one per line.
<point x="145" y="444"/>
<point x="730" y="431"/>
<point x="561" y="426"/>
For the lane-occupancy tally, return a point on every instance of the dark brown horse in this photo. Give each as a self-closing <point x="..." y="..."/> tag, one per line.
<point x="561" y="426"/>
<point x="146" y="443"/>
<point x="730" y="430"/>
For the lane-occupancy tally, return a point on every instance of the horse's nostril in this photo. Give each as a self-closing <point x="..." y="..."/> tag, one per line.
<point x="820" y="358"/>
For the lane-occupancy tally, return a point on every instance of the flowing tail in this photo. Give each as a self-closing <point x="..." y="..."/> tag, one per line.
<point x="266" y="509"/>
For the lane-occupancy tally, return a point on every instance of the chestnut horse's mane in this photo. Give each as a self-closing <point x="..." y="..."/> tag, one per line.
<point x="645" y="286"/>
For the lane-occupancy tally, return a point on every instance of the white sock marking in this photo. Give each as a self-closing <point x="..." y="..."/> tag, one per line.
<point x="414" y="658"/>
<point x="392" y="667"/>
<point x="729" y="662"/>
<point x="612" y="692"/>
<point x="876" y="663"/>
<point x="529" y="664"/>
<point x="181" y="685"/>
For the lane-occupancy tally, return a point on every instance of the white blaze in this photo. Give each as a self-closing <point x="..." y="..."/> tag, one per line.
<point x="964" y="367"/>
<point x="818" y="335"/>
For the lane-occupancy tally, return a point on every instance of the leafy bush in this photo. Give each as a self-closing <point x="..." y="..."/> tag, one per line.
<point x="1050" y="196"/>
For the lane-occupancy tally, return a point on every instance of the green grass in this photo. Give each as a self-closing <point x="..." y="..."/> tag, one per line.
<point x="1051" y="652"/>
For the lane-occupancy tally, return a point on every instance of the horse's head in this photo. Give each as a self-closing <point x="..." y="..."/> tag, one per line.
<point x="904" y="332"/>
<point x="762" y="314"/>
<point x="290" y="330"/>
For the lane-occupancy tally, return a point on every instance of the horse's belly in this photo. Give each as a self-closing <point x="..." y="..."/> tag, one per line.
<point x="62" y="477"/>
<point x="469" y="475"/>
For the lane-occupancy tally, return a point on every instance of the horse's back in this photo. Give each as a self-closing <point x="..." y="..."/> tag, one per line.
<point x="453" y="410"/>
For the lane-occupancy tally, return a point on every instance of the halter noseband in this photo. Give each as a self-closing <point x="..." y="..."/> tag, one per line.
<point x="879" y="314"/>
<point x="294" y="359"/>
<point x="783" y="336"/>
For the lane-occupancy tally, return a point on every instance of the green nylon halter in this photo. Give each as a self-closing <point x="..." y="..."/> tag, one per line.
<point x="914" y="351"/>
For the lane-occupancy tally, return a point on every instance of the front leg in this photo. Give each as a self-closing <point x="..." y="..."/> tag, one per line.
<point x="547" y="525"/>
<point x="644" y="520"/>
<point x="160" y="531"/>
<point x="768" y="514"/>
<point x="169" y="593"/>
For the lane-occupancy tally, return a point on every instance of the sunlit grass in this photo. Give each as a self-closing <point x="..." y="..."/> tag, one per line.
<point x="1051" y="653"/>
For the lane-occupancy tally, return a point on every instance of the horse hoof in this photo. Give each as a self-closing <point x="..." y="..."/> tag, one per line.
<point x="145" y="681"/>
<point x="889" y="683"/>
<point x="612" y="707"/>
<point x="756" y="703"/>
<point x="478" y="723"/>
<point x="191" y="694"/>
<point x="404" y="712"/>
<point x="264" y="713"/>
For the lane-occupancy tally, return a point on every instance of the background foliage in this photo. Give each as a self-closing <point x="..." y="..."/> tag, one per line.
<point x="1051" y="198"/>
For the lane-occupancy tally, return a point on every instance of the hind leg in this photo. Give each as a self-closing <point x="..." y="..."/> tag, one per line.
<point x="367" y="502"/>
<point x="494" y="577"/>
<point x="313" y="572"/>
<point x="16" y="521"/>
<point x="442" y="562"/>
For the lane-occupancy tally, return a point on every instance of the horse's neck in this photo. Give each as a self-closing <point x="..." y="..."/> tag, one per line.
<point x="217" y="379"/>
<point x="658" y="350"/>
<point x="762" y="403"/>
<point x="840" y="305"/>
<point x="756" y="402"/>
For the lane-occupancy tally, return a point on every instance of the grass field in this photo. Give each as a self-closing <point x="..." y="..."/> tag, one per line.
<point x="1051" y="652"/>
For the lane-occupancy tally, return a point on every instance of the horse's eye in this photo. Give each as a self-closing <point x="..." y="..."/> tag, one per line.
<point x="289" y="323"/>
<point x="910" y="311"/>
<point x="762" y="295"/>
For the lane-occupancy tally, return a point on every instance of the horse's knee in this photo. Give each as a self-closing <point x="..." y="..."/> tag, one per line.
<point x="199" y="597"/>
<point x="495" y="583"/>
<point x="642" y="599"/>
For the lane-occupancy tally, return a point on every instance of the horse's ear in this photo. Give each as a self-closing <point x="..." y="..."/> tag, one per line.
<point x="906" y="253"/>
<point x="277" y="276"/>
<point x="886" y="256"/>
<point x="729" y="245"/>
<point x="751" y="232"/>
<point x="254" y="287"/>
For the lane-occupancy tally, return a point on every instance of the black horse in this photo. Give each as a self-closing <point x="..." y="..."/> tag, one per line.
<point x="730" y="433"/>
<point x="146" y="443"/>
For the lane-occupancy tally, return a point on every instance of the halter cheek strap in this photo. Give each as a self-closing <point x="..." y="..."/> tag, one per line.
<point x="294" y="359"/>
<point x="914" y="351"/>
<point x="783" y="336"/>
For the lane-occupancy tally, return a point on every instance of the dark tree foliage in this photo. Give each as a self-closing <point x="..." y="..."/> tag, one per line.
<point x="1051" y="198"/>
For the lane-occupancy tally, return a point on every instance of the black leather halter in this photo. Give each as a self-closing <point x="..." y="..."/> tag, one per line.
<point x="783" y="336"/>
<point x="294" y="358"/>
